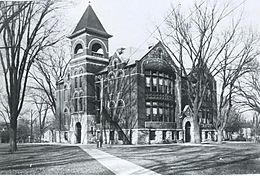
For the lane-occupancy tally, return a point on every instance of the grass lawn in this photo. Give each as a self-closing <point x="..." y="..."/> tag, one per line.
<point x="50" y="160"/>
<point x="235" y="158"/>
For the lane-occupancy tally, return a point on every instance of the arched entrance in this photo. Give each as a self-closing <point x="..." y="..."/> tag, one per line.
<point x="187" y="132"/>
<point x="78" y="132"/>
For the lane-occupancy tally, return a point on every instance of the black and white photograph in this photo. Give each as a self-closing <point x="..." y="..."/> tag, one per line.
<point x="137" y="87"/>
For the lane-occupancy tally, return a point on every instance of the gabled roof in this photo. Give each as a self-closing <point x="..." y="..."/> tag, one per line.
<point x="89" y="22"/>
<point x="131" y="54"/>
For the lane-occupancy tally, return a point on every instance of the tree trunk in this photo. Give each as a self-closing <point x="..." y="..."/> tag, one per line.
<point x="196" y="136"/>
<point x="12" y="134"/>
<point x="220" y="136"/>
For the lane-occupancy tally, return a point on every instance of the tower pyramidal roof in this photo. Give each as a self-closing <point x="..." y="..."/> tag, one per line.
<point x="90" y="23"/>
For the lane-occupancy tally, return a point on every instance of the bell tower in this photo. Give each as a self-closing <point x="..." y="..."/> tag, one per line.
<point x="90" y="54"/>
<point x="89" y="37"/>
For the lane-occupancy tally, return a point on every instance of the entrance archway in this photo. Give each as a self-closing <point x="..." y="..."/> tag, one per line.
<point x="187" y="132"/>
<point x="78" y="132"/>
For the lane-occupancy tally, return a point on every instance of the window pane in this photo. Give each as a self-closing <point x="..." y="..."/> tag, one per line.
<point x="148" y="113"/>
<point x="155" y="111"/>
<point x="154" y="81"/>
<point x="154" y="88"/>
<point x="76" y="82"/>
<point x="160" y="84"/>
<point x="148" y="81"/>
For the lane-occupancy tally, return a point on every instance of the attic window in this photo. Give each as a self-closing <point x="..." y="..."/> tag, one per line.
<point x="97" y="50"/>
<point x="78" y="49"/>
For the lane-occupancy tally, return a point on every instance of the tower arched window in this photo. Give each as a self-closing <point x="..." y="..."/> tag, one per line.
<point x="97" y="50"/>
<point x="78" y="49"/>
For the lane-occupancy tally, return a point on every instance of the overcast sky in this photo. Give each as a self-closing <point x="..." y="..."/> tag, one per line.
<point x="131" y="22"/>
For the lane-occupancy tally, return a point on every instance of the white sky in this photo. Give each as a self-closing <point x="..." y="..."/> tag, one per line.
<point x="131" y="22"/>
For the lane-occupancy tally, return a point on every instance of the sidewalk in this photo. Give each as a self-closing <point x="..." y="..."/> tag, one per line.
<point x="117" y="165"/>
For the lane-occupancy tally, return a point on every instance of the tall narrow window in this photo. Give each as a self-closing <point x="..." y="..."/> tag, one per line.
<point x="81" y="103"/>
<point x="148" y="84"/>
<point x="148" y="113"/>
<point x="154" y="86"/>
<point x="76" y="104"/>
<point x="155" y="113"/>
<point x="76" y="82"/>
<point x="160" y="114"/>
<point x="166" y="86"/>
<point x="160" y="84"/>
<point x="170" y="86"/>
<point x="80" y="81"/>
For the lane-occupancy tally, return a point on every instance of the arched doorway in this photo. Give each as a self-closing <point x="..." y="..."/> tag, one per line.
<point x="78" y="132"/>
<point x="187" y="132"/>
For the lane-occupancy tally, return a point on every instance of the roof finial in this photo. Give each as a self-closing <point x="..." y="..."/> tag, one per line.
<point x="89" y="2"/>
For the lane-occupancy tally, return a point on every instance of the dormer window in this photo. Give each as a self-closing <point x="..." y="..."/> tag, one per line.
<point x="97" y="50"/>
<point x="78" y="49"/>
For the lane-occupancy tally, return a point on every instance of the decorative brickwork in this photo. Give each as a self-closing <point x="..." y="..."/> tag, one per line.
<point x="135" y="96"/>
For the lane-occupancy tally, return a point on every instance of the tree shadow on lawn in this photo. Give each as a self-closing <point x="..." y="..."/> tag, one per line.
<point x="197" y="164"/>
<point x="188" y="159"/>
<point x="42" y="156"/>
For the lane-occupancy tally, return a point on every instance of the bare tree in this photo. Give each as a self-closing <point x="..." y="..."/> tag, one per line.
<point x="4" y="110"/>
<point x="117" y="103"/>
<point x="201" y="43"/>
<point x="42" y="109"/>
<point x="6" y="9"/>
<point x="24" y="38"/>
<point x="249" y="97"/>
<point x="48" y="71"/>
<point x="249" y="92"/>
<point x="238" y="59"/>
